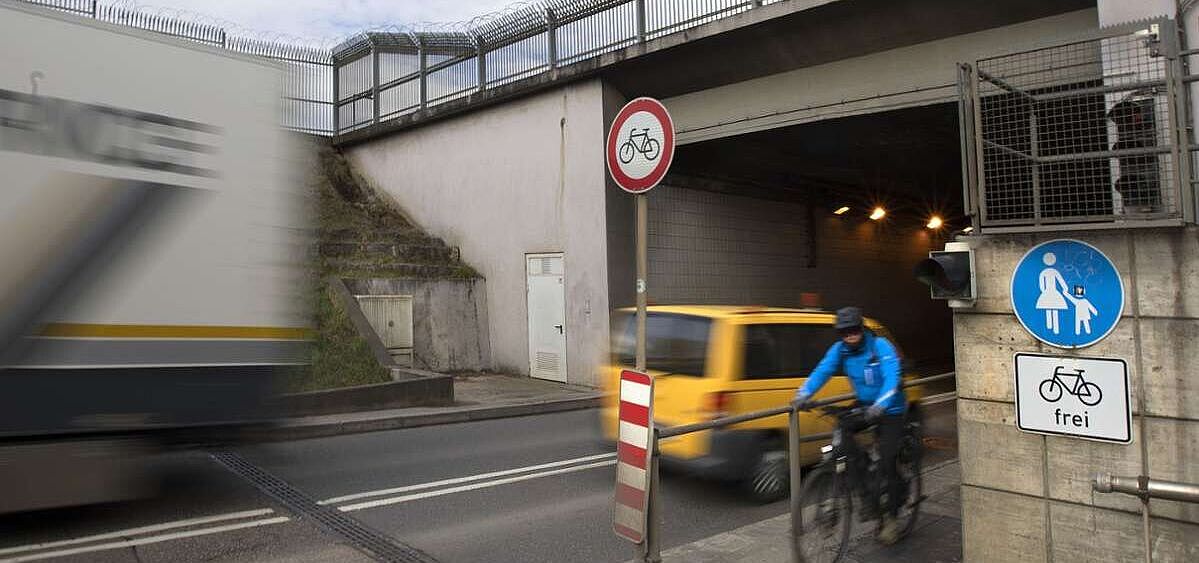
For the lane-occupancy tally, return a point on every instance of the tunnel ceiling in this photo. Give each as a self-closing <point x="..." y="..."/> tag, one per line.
<point x="909" y="154"/>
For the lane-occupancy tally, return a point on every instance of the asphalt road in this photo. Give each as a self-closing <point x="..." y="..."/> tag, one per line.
<point x="535" y="488"/>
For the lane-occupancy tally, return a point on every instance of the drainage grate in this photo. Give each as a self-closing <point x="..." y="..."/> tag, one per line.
<point x="360" y="536"/>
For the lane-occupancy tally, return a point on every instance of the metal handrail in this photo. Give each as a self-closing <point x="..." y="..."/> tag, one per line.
<point x="650" y="548"/>
<point x="1144" y="487"/>
<point x="672" y="431"/>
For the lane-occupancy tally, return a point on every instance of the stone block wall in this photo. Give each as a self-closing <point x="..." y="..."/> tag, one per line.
<point x="1028" y="497"/>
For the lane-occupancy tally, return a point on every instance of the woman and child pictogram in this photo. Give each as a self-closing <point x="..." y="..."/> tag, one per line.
<point x="1055" y="293"/>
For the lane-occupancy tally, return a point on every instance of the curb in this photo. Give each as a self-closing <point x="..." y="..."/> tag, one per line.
<point x="291" y="430"/>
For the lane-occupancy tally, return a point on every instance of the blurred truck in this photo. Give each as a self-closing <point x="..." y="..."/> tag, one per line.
<point x="152" y="239"/>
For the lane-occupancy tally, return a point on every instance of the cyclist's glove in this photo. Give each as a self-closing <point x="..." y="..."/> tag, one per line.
<point x="801" y="401"/>
<point x="875" y="411"/>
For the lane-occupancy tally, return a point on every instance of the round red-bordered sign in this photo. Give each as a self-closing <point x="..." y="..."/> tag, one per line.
<point x="640" y="145"/>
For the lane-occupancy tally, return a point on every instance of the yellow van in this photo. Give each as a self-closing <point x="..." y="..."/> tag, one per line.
<point x="712" y="361"/>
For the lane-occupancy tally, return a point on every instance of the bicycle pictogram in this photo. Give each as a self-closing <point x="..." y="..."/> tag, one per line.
<point x="639" y="141"/>
<point x="1051" y="389"/>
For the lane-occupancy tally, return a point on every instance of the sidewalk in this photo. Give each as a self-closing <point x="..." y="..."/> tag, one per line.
<point x="476" y="397"/>
<point x="937" y="537"/>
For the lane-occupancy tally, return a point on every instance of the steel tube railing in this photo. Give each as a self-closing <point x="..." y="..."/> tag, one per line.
<point x="1145" y="487"/>
<point x="650" y="550"/>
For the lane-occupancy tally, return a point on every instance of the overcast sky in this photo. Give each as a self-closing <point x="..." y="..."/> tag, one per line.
<point x="327" y="20"/>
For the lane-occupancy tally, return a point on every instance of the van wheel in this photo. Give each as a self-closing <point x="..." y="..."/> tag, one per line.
<point x="769" y="479"/>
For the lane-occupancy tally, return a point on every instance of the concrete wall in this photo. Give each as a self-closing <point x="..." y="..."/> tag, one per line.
<point x="921" y="74"/>
<point x="717" y="248"/>
<point x="524" y="177"/>
<point x="449" y="320"/>
<point x="1027" y="497"/>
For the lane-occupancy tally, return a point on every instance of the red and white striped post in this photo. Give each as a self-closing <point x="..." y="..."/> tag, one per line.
<point x="634" y="451"/>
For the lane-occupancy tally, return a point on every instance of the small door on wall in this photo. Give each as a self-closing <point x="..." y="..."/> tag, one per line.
<point x="546" y="297"/>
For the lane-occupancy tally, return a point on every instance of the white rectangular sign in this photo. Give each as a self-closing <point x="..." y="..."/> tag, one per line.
<point x="1069" y="396"/>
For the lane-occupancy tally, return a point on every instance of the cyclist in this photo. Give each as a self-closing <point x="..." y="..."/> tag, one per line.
<point x="873" y="366"/>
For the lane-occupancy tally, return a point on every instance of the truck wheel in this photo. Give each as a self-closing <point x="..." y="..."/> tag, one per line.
<point x="769" y="479"/>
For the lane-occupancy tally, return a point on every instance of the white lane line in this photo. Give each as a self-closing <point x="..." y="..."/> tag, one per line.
<point x="140" y="530"/>
<point x="458" y="480"/>
<point x="938" y="399"/>
<point x="476" y="486"/>
<point x="151" y="539"/>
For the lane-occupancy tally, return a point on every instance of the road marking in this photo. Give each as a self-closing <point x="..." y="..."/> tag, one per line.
<point x="467" y="479"/>
<point x="476" y="486"/>
<point x="151" y="539"/>
<point x="140" y="530"/>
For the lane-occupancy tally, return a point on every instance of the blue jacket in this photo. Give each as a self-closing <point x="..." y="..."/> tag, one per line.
<point x="874" y="370"/>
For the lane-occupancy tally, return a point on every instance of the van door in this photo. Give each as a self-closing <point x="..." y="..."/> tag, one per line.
<point x="776" y="358"/>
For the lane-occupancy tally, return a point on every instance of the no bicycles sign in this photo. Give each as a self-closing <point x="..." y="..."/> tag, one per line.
<point x="1071" y="396"/>
<point x="640" y="145"/>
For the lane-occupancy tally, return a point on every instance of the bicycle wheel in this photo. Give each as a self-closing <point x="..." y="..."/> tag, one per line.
<point x="1090" y="394"/>
<point x="652" y="149"/>
<point x="826" y="517"/>
<point x="1050" y="390"/>
<point x="627" y="150"/>
<point x="909" y="461"/>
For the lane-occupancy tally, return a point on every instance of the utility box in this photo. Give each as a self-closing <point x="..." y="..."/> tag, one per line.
<point x="391" y="317"/>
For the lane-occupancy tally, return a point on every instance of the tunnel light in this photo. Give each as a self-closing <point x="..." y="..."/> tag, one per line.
<point x="878" y="213"/>
<point x="934" y="223"/>
<point x="841" y="210"/>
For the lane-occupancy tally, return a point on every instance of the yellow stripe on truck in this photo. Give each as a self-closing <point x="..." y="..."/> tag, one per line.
<point x="84" y="330"/>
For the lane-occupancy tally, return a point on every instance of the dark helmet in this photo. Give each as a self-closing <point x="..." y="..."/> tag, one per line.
<point x="848" y="317"/>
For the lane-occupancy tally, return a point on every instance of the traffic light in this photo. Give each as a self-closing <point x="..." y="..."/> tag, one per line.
<point x="949" y="274"/>
<point x="1139" y="182"/>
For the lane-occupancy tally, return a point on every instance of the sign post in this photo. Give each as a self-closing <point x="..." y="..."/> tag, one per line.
<point x="639" y="151"/>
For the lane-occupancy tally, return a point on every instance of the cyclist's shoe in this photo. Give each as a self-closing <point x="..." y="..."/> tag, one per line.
<point x="888" y="531"/>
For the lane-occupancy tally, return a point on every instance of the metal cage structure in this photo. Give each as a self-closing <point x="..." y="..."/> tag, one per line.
<point x="1088" y="134"/>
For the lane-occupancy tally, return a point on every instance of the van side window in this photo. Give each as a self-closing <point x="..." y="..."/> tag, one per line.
<point x="675" y="344"/>
<point x="775" y="351"/>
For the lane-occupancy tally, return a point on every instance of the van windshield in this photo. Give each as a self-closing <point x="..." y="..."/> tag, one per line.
<point x="676" y="344"/>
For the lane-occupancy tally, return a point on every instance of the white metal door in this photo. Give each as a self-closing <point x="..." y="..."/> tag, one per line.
<point x="391" y="317"/>
<point x="547" y="316"/>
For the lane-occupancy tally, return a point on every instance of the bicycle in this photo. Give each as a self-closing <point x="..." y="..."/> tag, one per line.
<point x="1088" y="393"/>
<point x="648" y="147"/>
<point x="826" y="500"/>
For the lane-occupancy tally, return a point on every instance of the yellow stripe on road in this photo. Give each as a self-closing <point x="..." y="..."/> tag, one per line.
<point x="85" y="330"/>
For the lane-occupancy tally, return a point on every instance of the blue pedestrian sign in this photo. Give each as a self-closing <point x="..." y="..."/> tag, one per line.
<point x="1067" y="293"/>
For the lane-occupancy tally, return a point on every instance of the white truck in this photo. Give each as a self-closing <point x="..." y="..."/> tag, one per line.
<point x="152" y="246"/>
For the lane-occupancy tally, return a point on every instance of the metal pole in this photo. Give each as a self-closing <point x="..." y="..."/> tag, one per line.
<point x="651" y="548"/>
<point x="374" y="83"/>
<point x="1035" y="151"/>
<point x="642" y="268"/>
<point x="551" y="35"/>
<point x="424" y="71"/>
<point x="793" y="462"/>
<point x="641" y="34"/>
<point x="336" y="98"/>
<point x="1152" y="488"/>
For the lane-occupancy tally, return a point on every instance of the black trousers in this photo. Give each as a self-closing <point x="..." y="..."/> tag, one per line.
<point x="888" y="433"/>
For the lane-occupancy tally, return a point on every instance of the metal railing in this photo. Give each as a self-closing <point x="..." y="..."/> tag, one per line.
<point x="1088" y="134"/>
<point x="373" y="77"/>
<point x="385" y="75"/>
<point x="651" y="547"/>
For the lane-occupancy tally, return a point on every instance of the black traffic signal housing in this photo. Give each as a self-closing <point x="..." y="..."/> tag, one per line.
<point x="949" y="274"/>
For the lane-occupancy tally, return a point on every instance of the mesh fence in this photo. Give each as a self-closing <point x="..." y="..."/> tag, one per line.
<point x="1078" y="133"/>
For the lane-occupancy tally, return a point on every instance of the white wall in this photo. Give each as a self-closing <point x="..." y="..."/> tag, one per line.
<point x="522" y="177"/>
<point x="891" y="79"/>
